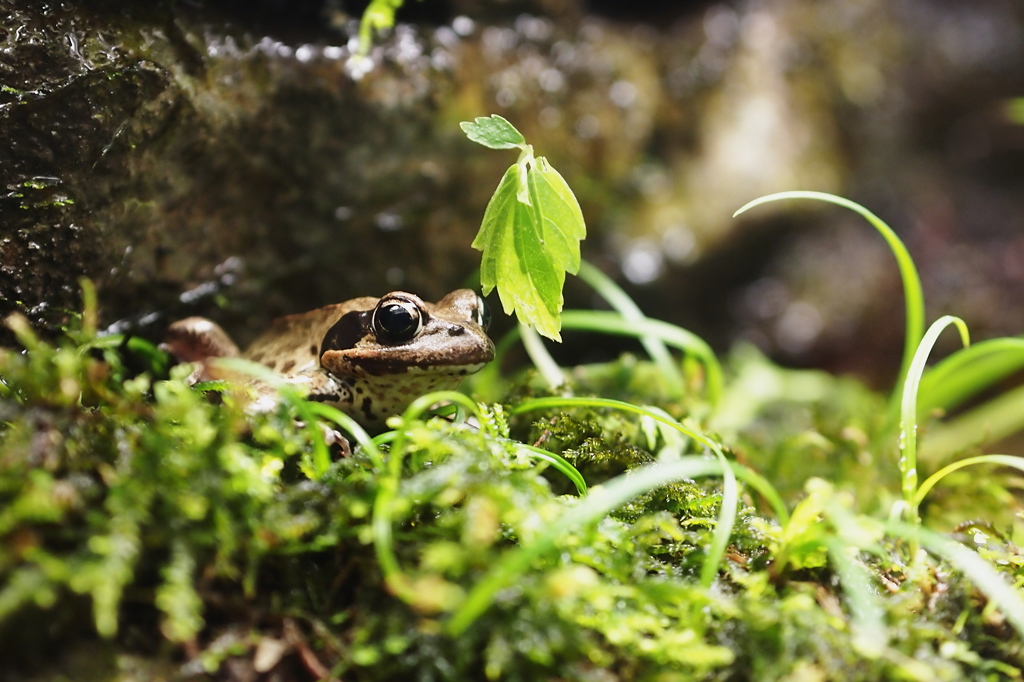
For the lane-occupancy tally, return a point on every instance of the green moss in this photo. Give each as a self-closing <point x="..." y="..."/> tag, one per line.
<point x="186" y="530"/>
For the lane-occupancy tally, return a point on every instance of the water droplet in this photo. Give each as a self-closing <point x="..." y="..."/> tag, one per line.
<point x="463" y="25"/>
<point x="643" y="262"/>
<point x="622" y="93"/>
<point x="388" y="222"/>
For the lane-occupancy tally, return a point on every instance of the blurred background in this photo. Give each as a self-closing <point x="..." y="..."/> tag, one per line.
<point x="231" y="159"/>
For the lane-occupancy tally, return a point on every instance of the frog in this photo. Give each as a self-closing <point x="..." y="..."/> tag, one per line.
<point x="369" y="357"/>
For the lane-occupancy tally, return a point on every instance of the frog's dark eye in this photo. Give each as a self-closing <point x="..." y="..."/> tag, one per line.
<point x="396" y="320"/>
<point x="483" y="313"/>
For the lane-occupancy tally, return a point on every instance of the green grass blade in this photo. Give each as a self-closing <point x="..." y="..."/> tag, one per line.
<point x="856" y="534"/>
<point x="559" y="402"/>
<point x="995" y="419"/>
<point x="352" y="427"/>
<point x="609" y="322"/>
<point x="866" y="610"/>
<point x="912" y="293"/>
<point x="595" y="506"/>
<point x="387" y="492"/>
<point x="560" y="463"/>
<point x="763" y="487"/>
<point x="723" y="526"/>
<point x="321" y="453"/>
<point x="967" y="372"/>
<point x="677" y="337"/>
<point x="908" y="410"/>
<point x="1014" y="110"/>
<point x="486" y="384"/>
<point x="541" y="358"/>
<point x="292" y="395"/>
<point x="987" y="579"/>
<point x="1002" y="460"/>
<point x="624" y="305"/>
<point x="748" y="476"/>
<point x="730" y="496"/>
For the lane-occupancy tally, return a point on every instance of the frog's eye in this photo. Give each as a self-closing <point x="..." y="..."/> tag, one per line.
<point x="483" y="313"/>
<point x="396" y="320"/>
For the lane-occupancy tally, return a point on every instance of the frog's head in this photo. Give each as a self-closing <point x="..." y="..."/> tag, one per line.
<point x="404" y="337"/>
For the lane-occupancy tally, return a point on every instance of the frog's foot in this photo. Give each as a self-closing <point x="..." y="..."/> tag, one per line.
<point x="335" y="440"/>
<point x="332" y="438"/>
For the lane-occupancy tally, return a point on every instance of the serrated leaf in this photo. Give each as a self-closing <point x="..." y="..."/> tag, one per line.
<point x="493" y="132"/>
<point x="528" y="247"/>
<point x="559" y="214"/>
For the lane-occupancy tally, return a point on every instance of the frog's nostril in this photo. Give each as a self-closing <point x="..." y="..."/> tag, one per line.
<point x="456" y="330"/>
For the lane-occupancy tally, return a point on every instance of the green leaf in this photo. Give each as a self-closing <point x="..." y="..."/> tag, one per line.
<point x="493" y="132"/>
<point x="528" y="248"/>
<point x="378" y="15"/>
<point x="1015" y="110"/>
<point x="556" y="209"/>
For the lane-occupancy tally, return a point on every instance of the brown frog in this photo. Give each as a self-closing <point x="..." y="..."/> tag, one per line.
<point x="370" y="357"/>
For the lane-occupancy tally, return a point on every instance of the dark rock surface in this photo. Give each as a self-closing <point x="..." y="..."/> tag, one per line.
<point x="167" y="149"/>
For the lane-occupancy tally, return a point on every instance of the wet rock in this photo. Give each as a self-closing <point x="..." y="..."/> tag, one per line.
<point x="168" y="150"/>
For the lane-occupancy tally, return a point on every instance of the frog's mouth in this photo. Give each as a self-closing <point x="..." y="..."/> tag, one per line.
<point x="390" y="361"/>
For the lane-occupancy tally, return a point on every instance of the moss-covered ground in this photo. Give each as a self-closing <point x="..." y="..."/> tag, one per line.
<point x="151" y="530"/>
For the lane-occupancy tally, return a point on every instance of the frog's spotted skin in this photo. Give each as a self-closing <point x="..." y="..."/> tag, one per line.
<point x="369" y="357"/>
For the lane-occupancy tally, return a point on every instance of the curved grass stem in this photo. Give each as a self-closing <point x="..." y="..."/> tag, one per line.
<point x="387" y="492"/>
<point x="912" y="293"/>
<point x="908" y="415"/>
<point x="595" y="506"/>
<point x="625" y="306"/>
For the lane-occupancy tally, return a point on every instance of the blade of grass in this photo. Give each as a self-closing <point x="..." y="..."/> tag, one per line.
<point x="723" y="526"/>
<point x="295" y="396"/>
<point x="250" y="369"/>
<point x="675" y="336"/>
<point x="559" y="463"/>
<point x="609" y="322"/>
<point x="601" y="500"/>
<point x="321" y="453"/>
<point x="908" y="414"/>
<point x="555" y="402"/>
<point x="1002" y="460"/>
<point x="763" y="487"/>
<point x="995" y="419"/>
<point x="730" y="497"/>
<point x="912" y="293"/>
<point x="486" y="384"/>
<point x="625" y="306"/>
<point x="352" y="427"/>
<point x="967" y="372"/>
<point x="90" y="308"/>
<point x="387" y="491"/>
<point x="860" y="533"/>
<point x="866" y="611"/>
<point x="988" y="580"/>
<point x="751" y="478"/>
<point x="540" y="357"/>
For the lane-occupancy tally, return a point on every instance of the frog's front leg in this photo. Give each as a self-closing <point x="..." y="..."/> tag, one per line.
<point x="197" y="339"/>
<point x="319" y="387"/>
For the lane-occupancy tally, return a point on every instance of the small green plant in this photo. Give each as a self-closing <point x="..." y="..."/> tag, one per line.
<point x="1015" y="110"/>
<point x="378" y="15"/>
<point x="530" y="232"/>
